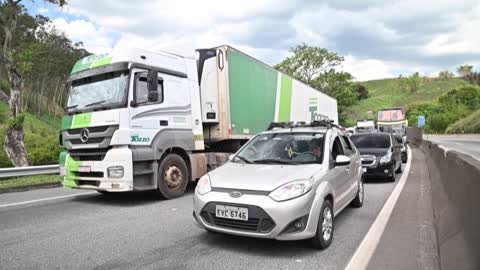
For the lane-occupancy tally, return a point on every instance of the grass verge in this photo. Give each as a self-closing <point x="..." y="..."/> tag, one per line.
<point x="29" y="180"/>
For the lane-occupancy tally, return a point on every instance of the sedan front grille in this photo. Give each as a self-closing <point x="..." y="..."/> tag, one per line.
<point x="247" y="225"/>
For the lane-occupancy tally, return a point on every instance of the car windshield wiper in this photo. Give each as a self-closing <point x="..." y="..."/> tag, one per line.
<point x="70" y="107"/>
<point x="277" y="161"/>
<point x="95" y="103"/>
<point x="102" y="108"/>
<point x="243" y="159"/>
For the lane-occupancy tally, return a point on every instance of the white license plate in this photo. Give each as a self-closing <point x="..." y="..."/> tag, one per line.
<point x="231" y="212"/>
<point x="84" y="168"/>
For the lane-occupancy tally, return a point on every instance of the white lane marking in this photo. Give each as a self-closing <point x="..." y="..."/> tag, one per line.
<point x="46" y="199"/>
<point x="365" y="250"/>
<point x="457" y="143"/>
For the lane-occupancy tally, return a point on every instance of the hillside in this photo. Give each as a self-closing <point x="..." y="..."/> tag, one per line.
<point x="389" y="92"/>
<point x="41" y="137"/>
<point x="469" y="124"/>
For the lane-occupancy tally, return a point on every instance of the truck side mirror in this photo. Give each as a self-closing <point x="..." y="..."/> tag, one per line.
<point x="152" y="85"/>
<point x="152" y="80"/>
<point x="153" y="96"/>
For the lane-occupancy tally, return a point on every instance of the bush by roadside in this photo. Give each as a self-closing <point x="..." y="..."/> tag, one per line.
<point x="469" y="124"/>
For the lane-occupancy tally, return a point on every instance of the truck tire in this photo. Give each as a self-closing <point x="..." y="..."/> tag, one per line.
<point x="323" y="237"/>
<point x="172" y="177"/>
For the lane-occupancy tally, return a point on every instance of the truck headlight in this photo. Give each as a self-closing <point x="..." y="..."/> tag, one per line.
<point x="386" y="158"/>
<point x="115" y="172"/>
<point x="291" y="190"/>
<point x="203" y="185"/>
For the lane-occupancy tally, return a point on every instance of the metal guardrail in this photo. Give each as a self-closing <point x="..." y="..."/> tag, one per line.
<point x="26" y="171"/>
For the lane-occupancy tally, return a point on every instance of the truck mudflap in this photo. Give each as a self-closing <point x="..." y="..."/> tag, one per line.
<point x="114" y="173"/>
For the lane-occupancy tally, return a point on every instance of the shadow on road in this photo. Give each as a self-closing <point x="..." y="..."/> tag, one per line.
<point x="125" y="199"/>
<point x="380" y="180"/>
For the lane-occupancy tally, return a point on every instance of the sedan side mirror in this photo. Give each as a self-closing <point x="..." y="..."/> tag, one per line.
<point x="342" y="160"/>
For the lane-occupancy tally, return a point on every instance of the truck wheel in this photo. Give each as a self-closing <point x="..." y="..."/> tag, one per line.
<point x="172" y="177"/>
<point x="358" y="200"/>
<point x="323" y="237"/>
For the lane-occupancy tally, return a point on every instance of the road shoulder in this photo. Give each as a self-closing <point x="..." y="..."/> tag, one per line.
<point x="409" y="240"/>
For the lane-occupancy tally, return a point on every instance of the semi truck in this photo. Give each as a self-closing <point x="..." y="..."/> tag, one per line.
<point x="139" y="120"/>
<point x="393" y="120"/>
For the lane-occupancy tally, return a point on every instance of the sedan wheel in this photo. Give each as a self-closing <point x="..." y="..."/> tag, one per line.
<point x="323" y="237"/>
<point x="358" y="200"/>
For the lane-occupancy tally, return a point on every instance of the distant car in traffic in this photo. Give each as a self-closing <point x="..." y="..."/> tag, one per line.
<point x="403" y="150"/>
<point x="286" y="183"/>
<point x="380" y="154"/>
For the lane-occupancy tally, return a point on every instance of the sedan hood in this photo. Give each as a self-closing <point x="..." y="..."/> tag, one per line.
<point x="373" y="151"/>
<point x="262" y="177"/>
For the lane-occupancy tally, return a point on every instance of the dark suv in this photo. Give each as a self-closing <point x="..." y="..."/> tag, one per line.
<point x="380" y="154"/>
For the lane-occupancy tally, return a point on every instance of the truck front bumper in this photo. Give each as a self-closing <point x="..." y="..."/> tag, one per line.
<point x="95" y="174"/>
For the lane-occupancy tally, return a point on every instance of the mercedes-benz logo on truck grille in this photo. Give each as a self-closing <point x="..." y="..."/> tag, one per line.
<point x="235" y="194"/>
<point x="84" y="135"/>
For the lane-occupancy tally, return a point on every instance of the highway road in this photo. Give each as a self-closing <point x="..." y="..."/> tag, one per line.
<point x="70" y="229"/>
<point x="137" y="231"/>
<point x="467" y="144"/>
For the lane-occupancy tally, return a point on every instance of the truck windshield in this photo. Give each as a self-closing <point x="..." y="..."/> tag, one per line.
<point x="397" y="129"/>
<point x="104" y="90"/>
<point x="283" y="148"/>
<point x="371" y="140"/>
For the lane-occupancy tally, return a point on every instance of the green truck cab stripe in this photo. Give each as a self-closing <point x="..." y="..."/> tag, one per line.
<point x="285" y="99"/>
<point x="71" y="166"/>
<point x="76" y="121"/>
<point x="82" y="120"/>
<point x="92" y="61"/>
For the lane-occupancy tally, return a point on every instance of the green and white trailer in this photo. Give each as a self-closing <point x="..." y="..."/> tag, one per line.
<point x="137" y="120"/>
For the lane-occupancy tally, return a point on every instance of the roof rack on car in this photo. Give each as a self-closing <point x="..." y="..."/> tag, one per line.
<point x="279" y="125"/>
<point x="316" y="123"/>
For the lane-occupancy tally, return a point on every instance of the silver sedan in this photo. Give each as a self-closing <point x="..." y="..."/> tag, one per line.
<point x="285" y="184"/>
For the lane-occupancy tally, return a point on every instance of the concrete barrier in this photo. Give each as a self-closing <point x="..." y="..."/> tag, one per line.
<point x="414" y="135"/>
<point x="456" y="203"/>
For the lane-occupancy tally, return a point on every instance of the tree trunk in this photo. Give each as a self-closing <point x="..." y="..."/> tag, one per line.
<point x="13" y="144"/>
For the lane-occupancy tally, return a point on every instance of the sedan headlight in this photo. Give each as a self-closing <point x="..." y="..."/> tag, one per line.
<point x="386" y="158"/>
<point x="291" y="190"/>
<point x="203" y="185"/>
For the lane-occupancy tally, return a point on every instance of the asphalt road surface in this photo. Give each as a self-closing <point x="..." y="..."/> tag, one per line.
<point x="85" y="230"/>
<point x="467" y="144"/>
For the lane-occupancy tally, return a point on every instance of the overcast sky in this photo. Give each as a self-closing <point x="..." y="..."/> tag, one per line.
<point x="378" y="38"/>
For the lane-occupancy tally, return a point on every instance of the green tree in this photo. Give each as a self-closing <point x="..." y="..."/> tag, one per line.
<point x="465" y="70"/>
<point x="361" y="90"/>
<point x="308" y="63"/>
<point x="445" y="75"/>
<point x="15" y="66"/>
<point x="411" y="83"/>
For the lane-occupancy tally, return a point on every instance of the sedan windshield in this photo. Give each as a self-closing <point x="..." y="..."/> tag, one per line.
<point x="283" y="148"/>
<point x="104" y="90"/>
<point x="371" y="140"/>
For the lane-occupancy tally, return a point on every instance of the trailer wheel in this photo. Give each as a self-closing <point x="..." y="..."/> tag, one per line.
<point x="172" y="177"/>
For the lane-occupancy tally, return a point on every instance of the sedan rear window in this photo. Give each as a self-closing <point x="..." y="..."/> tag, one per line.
<point x="371" y="140"/>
